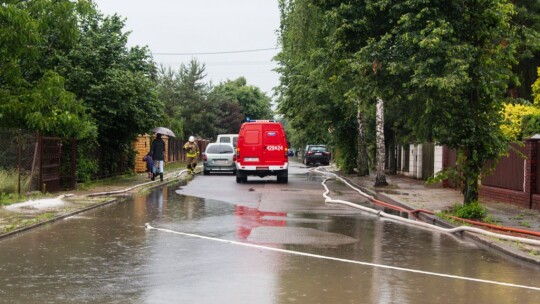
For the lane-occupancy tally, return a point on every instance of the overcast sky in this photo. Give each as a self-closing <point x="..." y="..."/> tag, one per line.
<point x="206" y="26"/>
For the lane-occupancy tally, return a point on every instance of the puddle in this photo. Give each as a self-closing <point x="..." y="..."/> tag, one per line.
<point x="298" y="236"/>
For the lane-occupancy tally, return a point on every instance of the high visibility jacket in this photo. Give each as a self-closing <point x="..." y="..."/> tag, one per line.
<point x="192" y="149"/>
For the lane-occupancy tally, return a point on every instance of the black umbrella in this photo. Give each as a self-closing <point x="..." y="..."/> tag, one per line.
<point x="163" y="131"/>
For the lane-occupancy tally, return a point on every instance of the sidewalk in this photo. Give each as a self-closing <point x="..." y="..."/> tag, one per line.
<point x="415" y="194"/>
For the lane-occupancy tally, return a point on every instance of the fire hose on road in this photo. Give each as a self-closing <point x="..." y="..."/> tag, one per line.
<point x="381" y="213"/>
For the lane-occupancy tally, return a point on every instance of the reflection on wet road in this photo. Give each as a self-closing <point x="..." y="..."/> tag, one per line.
<point x="106" y="255"/>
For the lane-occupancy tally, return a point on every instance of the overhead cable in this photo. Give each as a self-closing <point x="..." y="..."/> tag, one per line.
<point x="215" y="53"/>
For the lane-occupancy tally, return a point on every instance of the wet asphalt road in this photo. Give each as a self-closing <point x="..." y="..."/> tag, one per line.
<point x="106" y="255"/>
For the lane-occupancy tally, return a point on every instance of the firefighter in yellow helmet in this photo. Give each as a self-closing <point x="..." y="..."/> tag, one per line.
<point x="192" y="153"/>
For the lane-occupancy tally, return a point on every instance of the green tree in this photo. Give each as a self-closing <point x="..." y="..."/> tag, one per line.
<point x="454" y="64"/>
<point x="230" y="116"/>
<point x="311" y="94"/>
<point x="441" y="69"/>
<point x="33" y="37"/>
<point x="254" y="103"/>
<point x="194" y="107"/>
<point x="117" y="83"/>
<point x="168" y="93"/>
<point x="347" y="33"/>
<point x="536" y="91"/>
<point x="240" y="101"/>
<point x="200" y="115"/>
<point x="526" y="22"/>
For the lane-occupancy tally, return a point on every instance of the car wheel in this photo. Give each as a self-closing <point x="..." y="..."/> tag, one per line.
<point x="238" y="180"/>
<point x="244" y="179"/>
<point x="234" y="172"/>
<point x="283" y="177"/>
<point x="206" y="172"/>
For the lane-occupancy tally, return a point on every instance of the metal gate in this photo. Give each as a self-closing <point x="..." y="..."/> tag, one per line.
<point x="50" y="166"/>
<point x="428" y="160"/>
<point x="406" y="158"/>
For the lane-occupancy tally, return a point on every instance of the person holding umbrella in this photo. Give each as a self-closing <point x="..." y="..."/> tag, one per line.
<point x="157" y="151"/>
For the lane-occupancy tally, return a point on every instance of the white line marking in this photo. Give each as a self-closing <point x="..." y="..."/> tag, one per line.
<point x="147" y="226"/>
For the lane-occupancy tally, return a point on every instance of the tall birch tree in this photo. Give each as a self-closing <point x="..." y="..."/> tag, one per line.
<point x="380" y="178"/>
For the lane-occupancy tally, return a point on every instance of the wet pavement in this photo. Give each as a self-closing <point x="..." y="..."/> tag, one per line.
<point x="416" y="194"/>
<point x="330" y="253"/>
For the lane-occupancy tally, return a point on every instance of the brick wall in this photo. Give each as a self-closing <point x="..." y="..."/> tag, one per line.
<point x="516" y="198"/>
<point x="142" y="147"/>
<point x="535" y="203"/>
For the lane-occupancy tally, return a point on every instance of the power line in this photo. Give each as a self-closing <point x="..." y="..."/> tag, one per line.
<point x="215" y="53"/>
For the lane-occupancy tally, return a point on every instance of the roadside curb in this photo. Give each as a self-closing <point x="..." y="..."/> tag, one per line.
<point x="113" y="194"/>
<point x="57" y="218"/>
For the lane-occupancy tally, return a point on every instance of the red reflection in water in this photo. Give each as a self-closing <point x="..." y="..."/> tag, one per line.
<point x="249" y="218"/>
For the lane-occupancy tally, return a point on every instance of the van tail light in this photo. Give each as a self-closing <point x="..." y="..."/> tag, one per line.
<point x="237" y="155"/>
<point x="309" y="153"/>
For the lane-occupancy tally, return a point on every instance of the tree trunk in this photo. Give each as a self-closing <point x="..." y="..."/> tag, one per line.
<point x="392" y="158"/>
<point x="471" y="191"/>
<point x="380" y="179"/>
<point x="362" y="159"/>
<point x="471" y="172"/>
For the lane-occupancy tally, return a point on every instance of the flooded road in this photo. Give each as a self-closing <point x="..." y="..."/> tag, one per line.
<point x="299" y="250"/>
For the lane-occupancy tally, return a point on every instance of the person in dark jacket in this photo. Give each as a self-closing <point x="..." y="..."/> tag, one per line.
<point x="158" y="155"/>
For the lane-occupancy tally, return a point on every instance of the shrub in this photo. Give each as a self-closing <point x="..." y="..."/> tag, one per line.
<point x="531" y="125"/>
<point x="8" y="181"/>
<point x="470" y="211"/>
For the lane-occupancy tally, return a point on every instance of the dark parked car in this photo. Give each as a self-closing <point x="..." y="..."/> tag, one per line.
<point x="316" y="154"/>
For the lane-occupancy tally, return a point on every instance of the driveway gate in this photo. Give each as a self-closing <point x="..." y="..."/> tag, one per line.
<point x="51" y="154"/>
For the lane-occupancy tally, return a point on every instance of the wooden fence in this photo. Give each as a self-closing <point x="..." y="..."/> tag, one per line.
<point x="173" y="148"/>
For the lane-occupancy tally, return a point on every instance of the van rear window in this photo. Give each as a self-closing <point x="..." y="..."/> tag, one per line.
<point x="219" y="149"/>
<point x="252" y="137"/>
<point x="271" y="137"/>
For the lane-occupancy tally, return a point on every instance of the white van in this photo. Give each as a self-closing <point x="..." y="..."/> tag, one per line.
<point x="228" y="138"/>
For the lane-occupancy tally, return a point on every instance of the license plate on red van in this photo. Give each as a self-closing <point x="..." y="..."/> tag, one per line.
<point x="251" y="159"/>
